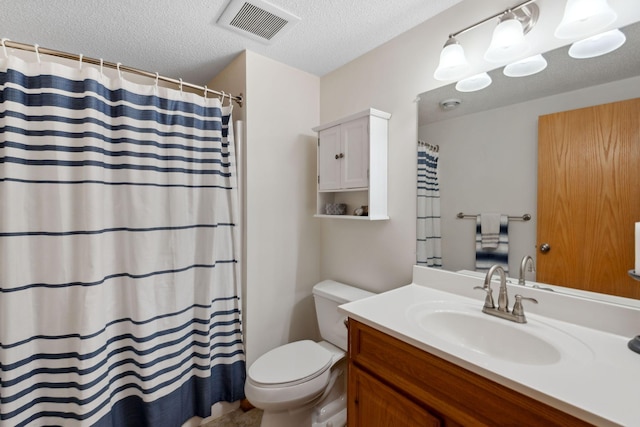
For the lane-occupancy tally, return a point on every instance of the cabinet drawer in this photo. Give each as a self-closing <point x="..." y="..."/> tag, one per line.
<point x="458" y="394"/>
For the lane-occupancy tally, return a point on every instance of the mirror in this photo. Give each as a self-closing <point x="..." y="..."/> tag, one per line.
<point x="488" y="145"/>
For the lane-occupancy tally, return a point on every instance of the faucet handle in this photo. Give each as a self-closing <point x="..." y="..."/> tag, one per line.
<point x="488" y="301"/>
<point x="518" y="310"/>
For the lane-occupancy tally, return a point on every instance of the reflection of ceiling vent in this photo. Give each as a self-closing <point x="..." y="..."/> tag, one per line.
<point x="450" y="104"/>
<point x="257" y="20"/>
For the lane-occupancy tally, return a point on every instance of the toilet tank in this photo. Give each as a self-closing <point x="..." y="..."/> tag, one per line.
<point x="328" y="295"/>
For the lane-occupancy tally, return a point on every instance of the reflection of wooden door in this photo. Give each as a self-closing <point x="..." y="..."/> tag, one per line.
<point x="589" y="197"/>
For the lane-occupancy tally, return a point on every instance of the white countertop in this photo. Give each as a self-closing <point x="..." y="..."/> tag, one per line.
<point x="599" y="382"/>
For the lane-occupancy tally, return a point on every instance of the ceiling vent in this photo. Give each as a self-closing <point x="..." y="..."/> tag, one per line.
<point x="257" y="20"/>
<point x="450" y="104"/>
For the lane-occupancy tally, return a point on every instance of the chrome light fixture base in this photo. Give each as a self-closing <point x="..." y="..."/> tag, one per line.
<point x="528" y="16"/>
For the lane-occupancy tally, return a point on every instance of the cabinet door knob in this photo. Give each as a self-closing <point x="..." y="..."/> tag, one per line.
<point x="337" y="156"/>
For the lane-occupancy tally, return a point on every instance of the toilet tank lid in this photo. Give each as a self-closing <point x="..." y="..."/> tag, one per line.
<point x="339" y="292"/>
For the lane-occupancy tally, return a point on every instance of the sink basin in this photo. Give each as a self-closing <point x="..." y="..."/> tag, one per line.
<point x="533" y="343"/>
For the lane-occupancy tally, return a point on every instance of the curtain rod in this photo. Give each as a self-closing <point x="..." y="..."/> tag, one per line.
<point x="433" y="147"/>
<point x="60" y="54"/>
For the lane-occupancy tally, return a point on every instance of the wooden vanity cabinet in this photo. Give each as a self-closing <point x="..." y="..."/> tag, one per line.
<point x="392" y="383"/>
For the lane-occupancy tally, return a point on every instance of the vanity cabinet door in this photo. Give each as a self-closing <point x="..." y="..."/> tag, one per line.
<point x="375" y="404"/>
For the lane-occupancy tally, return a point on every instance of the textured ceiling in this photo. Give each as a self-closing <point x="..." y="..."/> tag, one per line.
<point x="180" y="39"/>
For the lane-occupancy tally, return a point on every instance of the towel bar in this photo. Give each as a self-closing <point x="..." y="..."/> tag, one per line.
<point x="525" y="217"/>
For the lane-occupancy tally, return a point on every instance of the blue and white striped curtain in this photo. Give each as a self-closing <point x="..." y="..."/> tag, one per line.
<point x="119" y="292"/>
<point x="428" y="251"/>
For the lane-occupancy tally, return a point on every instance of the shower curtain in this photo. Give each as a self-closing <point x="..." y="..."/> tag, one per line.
<point x="428" y="252"/>
<point x="119" y="294"/>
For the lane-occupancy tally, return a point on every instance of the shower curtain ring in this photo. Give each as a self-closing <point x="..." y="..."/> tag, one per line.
<point x="222" y="98"/>
<point x="205" y="91"/>
<point x="4" y="47"/>
<point x="157" y="77"/>
<point x="230" y="103"/>
<point x="80" y="62"/>
<point x="101" y="64"/>
<point x="181" y="86"/>
<point x="119" y="72"/>
<point x="36" y="47"/>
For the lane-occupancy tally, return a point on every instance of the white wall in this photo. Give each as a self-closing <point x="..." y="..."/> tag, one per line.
<point x="378" y="256"/>
<point x="488" y="163"/>
<point x="282" y="252"/>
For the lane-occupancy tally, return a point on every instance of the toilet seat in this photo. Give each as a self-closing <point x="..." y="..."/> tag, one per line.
<point x="289" y="365"/>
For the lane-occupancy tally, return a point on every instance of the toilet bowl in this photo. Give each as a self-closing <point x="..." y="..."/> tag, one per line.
<point x="303" y="383"/>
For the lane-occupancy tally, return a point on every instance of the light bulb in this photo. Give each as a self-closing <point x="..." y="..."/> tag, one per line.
<point x="474" y="83"/>
<point x="584" y="17"/>
<point x="508" y="40"/>
<point x="526" y="67"/>
<point x="597" y="45"/>
<point x="453" y="63"/>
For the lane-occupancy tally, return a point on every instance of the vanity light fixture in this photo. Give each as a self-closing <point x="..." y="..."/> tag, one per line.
<point x="453" y="62"/>
<point x="526" y="67"/>
<point x="597" y="45"/>
<point x="581" y="19"/>
<point x="507" y="43"/>
<point x="474" y="83"/>
<point x="508" y="40"/>
<point x="584" y="17"/>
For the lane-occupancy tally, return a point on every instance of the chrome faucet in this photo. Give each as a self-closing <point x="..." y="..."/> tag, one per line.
<point x="517" y="315"/>
<point x="523" y="267"/>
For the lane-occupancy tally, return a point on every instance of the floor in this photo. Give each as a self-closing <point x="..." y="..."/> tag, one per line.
<point x="238" y="418"/>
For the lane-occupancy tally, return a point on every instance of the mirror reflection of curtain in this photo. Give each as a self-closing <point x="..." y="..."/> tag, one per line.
<point x="428" y="251"/>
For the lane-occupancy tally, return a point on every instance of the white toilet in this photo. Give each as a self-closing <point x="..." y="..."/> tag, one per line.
<point x="303" y="383"/>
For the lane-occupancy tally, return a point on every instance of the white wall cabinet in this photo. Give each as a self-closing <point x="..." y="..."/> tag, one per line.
<point x="352" y="164"/>
<point x="343" y="156"/>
